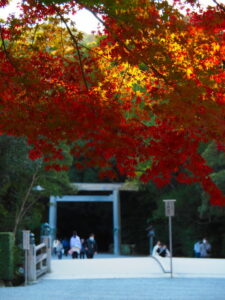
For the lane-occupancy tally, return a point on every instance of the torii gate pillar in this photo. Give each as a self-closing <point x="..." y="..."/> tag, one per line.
<point x="116" y="222"/>
<point x="53" y="216"/>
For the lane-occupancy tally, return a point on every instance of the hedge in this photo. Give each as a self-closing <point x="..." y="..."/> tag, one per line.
<point x="6" y="255"/>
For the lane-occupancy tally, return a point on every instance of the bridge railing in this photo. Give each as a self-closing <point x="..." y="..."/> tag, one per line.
<point x="39" y="259"/>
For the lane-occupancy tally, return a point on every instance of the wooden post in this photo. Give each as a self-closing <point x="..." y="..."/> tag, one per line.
<point x="31" y="261"/>
<point x="26" y="247"/>
<point x="47" y="240"/>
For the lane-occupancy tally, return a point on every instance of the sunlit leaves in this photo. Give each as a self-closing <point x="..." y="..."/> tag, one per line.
<point x="141" y="100"/>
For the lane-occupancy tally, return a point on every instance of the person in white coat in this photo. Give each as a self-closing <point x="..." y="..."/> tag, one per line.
<point x="75" y="245"/>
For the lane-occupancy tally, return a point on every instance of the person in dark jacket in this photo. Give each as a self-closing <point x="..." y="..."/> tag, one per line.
<point x="82" y="250"/>
<point x="90" y="246"/>
<point x="163" y="251"/>
<point x="66" y="246"/>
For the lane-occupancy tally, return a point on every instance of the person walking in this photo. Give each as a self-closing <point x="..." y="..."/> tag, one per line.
<point x="82" y="250"/>
<point x="59" y="249"/>
<point x="66" y="246"/>
<point x="205" y="249"/>
<point x="90" y="246"/>
<point x="75" y="245"/>
<point x="55" y="242"/>
<point x="150" y="235"/>
<point x="196" y="249"/>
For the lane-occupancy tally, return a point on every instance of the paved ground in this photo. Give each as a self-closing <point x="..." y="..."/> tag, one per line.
<point x="118" y="278"/>
<point x="140" y="267"/>
<point x="120" y="289"/>
<point x="104" y="266"/>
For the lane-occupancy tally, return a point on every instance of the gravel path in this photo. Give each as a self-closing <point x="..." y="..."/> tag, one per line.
<point x="120" y="289"/>
<point x="126" y="278"/>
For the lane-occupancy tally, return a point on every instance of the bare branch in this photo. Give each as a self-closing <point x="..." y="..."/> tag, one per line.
<point x="20" y="214"/>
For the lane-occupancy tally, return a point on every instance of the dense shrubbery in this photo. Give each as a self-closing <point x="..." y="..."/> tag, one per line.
<point x="6" y="256"/>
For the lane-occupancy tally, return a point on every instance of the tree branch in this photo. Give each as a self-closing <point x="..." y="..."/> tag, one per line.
<point x="76" y="46"/>
<point x="219" y="5"/>
<point x="20" y="214"/>
<point x="5" y="49"/>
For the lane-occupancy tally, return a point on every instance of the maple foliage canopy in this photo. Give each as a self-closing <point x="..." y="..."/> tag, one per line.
<point x="141" y="99"/>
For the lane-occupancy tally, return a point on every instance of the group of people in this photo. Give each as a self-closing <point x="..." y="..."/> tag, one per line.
<point x="202" y="248"/>
<point x="76" y="247"/>
<point x="160" y="249"/>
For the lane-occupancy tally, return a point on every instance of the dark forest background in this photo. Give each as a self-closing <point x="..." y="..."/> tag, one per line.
<point x="25" y="188"/>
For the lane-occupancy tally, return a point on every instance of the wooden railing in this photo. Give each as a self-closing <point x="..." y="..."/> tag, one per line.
<point x="39" y="260"/>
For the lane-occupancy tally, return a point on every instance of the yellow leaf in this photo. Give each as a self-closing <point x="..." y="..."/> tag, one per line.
<point x="189" y="72"/>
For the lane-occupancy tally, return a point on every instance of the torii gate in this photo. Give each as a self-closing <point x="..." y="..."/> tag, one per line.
<point x="114" y="197"/>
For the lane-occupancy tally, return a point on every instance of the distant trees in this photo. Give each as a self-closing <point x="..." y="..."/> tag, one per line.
<point x="23" y="183"/>
<point x="194" y="216"/>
